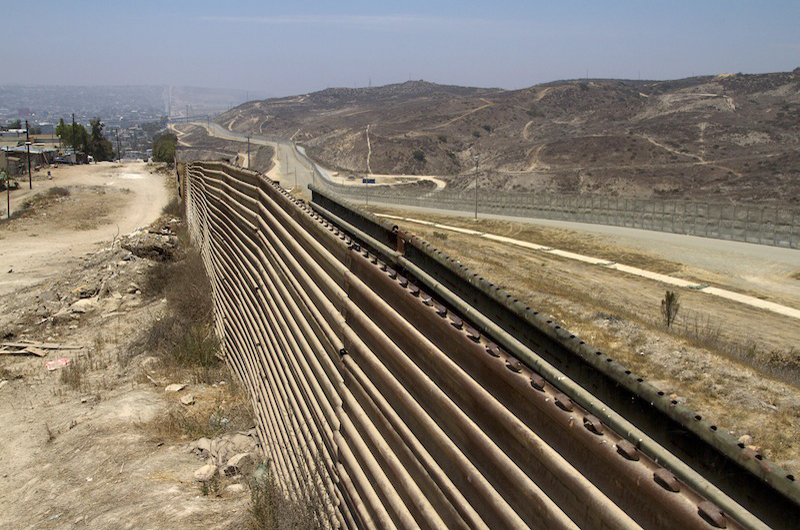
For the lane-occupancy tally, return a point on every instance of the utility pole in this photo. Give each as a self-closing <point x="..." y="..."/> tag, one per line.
<point x="476" y="186"/>
<point x="8" y="194"/>
<point x="28" y="146"/>
<point x="119" y="152"/>
<point x="248" y="151"/>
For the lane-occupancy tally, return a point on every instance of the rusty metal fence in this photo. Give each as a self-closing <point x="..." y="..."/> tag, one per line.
<point x="379" y="401"/>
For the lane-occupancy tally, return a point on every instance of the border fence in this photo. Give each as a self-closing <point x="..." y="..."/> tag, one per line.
<point x="394" y="408"/>
<point x="764" y="225"/>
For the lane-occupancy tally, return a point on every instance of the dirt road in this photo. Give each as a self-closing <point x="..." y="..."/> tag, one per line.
<point x="85" y="446"/>
<point x="105" y="200"/>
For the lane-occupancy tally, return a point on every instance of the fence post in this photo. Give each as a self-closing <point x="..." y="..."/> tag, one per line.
<point x="775" y="226"/>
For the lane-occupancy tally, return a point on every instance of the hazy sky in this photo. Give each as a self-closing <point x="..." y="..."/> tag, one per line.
<point x="288" y="47"/>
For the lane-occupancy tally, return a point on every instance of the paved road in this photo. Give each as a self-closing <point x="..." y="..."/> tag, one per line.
<point x="291" y="169"/>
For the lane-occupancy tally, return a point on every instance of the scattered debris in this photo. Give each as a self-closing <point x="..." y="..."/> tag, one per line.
<point x="42" y="345"/>
<point x="58" y="363"/>
<point x="30" y="350"/>
<point x="157" y="247"/>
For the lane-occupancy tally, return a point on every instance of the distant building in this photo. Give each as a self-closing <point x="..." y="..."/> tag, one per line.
<point x="15" y="159"/>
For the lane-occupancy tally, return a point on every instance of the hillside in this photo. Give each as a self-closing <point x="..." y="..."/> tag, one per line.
<point x="728" y="137"/>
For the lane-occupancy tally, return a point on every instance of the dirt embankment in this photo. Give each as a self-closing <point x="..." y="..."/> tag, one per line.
<point x="194" y="143"/>
<point x="98" y="443"/>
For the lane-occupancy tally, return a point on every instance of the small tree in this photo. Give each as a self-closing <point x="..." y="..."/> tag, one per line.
<point x="164" y="148"/>
<point x="100" y="147"/>
<point x="669" y="307"/>
<point x="419" y="155"/>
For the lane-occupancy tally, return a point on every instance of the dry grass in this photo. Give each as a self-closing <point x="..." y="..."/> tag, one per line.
<point x="217" y="410"/>
<point x="174" y="208"/>
<point x="271" y="509"/>
<point x="73" y="375"/>
<point x="182" y="337"/>
<point x="183" y="340"/>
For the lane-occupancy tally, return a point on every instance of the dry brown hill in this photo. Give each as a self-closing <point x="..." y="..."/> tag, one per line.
<point x="724" y="137"/>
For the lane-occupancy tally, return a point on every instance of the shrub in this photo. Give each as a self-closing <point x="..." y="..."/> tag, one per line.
<point x="57" y="191"/>
<point x="669" y="307"/>
<point x="271" y="509"/>
<point x="174" y="208"/>
<point x="419" y="155"/>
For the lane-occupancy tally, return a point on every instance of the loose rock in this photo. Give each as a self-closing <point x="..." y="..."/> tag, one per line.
<point x="205" y="473"/>
<point x="175" y="387"/>
<point x="240" y="464"/>
<point x="234" y="488"/>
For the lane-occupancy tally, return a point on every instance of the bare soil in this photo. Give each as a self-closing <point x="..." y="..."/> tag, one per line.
<point x="90" y="445"/>
<point x="711" y="138"/>
<point x="737" y="366"/>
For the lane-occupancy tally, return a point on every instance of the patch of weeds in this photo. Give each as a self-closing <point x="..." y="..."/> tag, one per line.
<point x="57" y="191"/>
<point x="221" y="410"/>
<point x="49" y="433"/>
<point x="174" y="208"/>
<point x="271" y="509"/>
<point x="73" y="375"/>
<point x="702" y="331"/>
<point x="211" y="487"/>
<point x="183" y="336"/>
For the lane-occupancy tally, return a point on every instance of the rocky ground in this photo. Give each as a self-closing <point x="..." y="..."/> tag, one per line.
<point x="93" y="433"/>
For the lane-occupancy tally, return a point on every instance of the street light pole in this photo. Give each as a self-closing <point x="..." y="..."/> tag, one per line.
<point x="476" y="186"/>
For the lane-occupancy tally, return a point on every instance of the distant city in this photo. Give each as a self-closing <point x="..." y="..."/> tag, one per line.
<point x="123" y="109"/>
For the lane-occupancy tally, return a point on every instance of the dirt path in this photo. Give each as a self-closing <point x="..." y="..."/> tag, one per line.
<point x="127" y="196"/>
<point x="79" y="445"/>
<point x="462" y="116"/>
